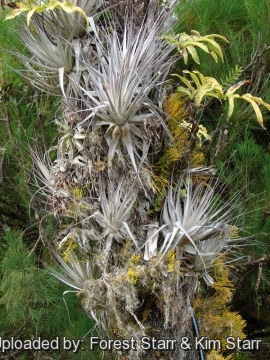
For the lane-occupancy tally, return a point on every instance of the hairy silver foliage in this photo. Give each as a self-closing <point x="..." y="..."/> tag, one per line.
<point x="77" y="273"/>
<point x="57" y="41"/>
<point x="68" y="24"/>
<point x="116" y="209"/>
<point x="197" y="224"/>
<point x="42" y="177"/>
<point x="71" y="141"/>
<point x="121" y="83"/>
<point x="111" y="70"/>
<point x="51" y="62"/>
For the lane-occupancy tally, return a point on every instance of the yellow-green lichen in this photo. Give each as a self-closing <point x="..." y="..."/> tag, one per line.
<point x="135" y="259"/>
<point x="233" y="232"/>
<point x="133" y="275"/>
<point x="171" y="260"/>
<point x="78" y="193"/>
<point x="68" y="247"/>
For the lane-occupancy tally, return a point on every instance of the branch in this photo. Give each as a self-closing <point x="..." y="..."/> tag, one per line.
<point x="251" y="264"/>
<point x="259" y="277"/>
<point x="264" y="258"/>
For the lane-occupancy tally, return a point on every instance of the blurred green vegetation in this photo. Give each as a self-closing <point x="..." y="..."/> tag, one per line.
<point x="32" y="302"/>
<point x="240" y="148"/>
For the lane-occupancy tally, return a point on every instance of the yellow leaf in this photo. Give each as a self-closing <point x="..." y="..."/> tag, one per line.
<point x="187" y="43"/>
<point x="196" y="32"/>
<point x="200" y="45"/>
<point x="217" y="36"/>
<point x="202" y="92"/>
<point x="202" y="132"/>
<point x="13" y="13"/>
<point x="230" y="99"/>
<point x="185" y="81"/>
<point x="231" y="106"/>
<point x="201" y="76"/>
<point x="258" y="100"/>
<point x="191" y="49"/>
<point x="196" y="79"/>
<point x="16" y="12"/>
<point x="184" y="91"/>
<point x="29" y="15"/>
<point x="185" y="55"/>
<point x="214" y="46"/>
<point x="214" y="55"/>
<point x="206" y="86"/>
<point x="235" y="87"/>
<point x="69" y="7"/>
<point x="251" y="100"/>
<point x="32" y="11"/>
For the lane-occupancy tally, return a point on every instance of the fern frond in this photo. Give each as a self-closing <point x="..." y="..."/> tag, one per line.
<point x="232" y="76"/>
<point x="31" y="8"/>
<point x="186" y="45"/>
<point x="209" y="87"/>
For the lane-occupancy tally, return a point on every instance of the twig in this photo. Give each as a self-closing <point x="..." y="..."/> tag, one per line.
<point x="6" y="119"/>
<point x="264" y="258"/>
<point x="259" y="277"/>
<point x="222" y="140"/>
<point x="255" y="54"/>
<point x="41" y="237"/>
<point x="250" y="265"/>
<point x="256" y="75"/>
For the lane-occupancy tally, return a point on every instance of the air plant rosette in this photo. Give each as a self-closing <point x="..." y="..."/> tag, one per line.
<point x="142" y="269"/>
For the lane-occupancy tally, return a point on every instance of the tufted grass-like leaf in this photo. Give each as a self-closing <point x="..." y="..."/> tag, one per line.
<point x="116" y="209"/>
<point x="195" y="223"/>
<point x="76" y="274"/>
<point x="54" y="39"/>
<point x="122" y="82"/>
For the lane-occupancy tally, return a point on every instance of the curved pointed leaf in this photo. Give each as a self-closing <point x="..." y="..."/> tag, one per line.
<point x="256" y="108"/>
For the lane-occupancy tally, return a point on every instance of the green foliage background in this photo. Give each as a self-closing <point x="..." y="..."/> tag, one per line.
<point x="32" y="302"/>
<point x="245" y="24"/>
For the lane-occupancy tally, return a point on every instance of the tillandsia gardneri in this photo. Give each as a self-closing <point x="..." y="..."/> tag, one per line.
<point x="134" y="249"/>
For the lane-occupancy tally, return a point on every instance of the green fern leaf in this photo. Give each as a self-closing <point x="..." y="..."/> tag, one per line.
<point x="232" y="77"/>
